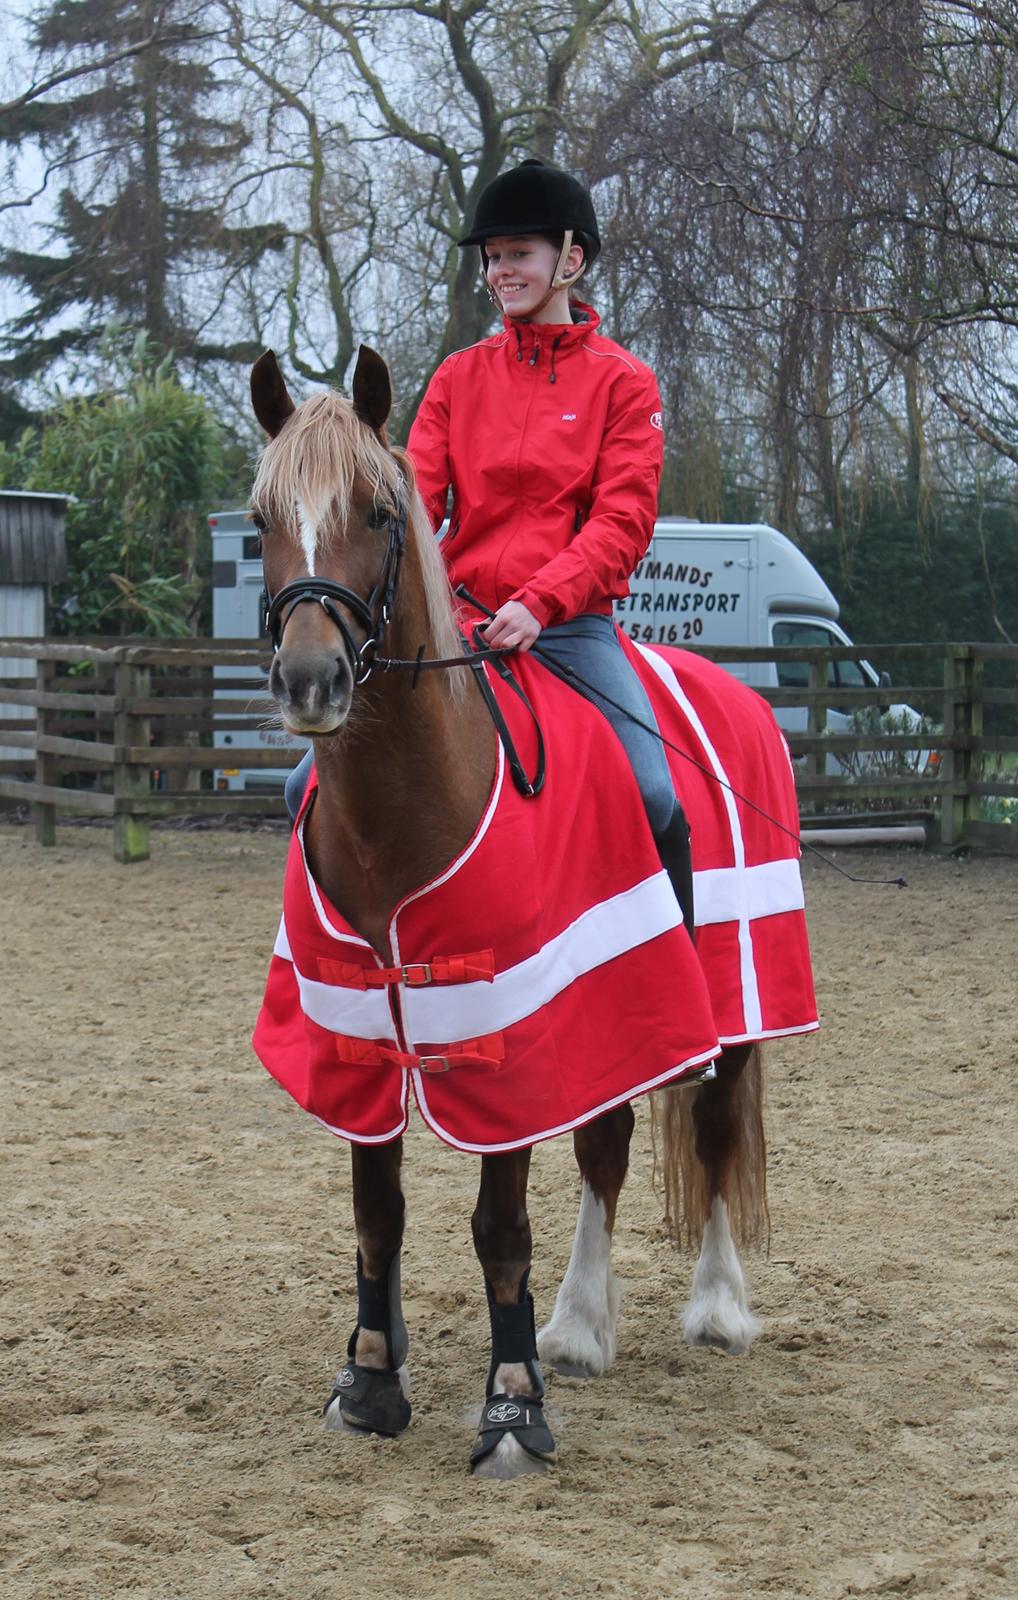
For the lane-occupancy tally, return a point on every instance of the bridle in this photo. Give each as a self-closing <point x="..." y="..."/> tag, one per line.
<point x="372" y="614"/>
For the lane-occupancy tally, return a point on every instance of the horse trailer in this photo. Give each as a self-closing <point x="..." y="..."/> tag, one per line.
<point x="237" y="614"/>
<point x="33" y="556"/>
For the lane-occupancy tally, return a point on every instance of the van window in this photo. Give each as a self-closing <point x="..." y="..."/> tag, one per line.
<point x="795" y="674"/>
<point x="851" y="675"/>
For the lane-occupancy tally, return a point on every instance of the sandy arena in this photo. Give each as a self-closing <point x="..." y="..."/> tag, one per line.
<point x="178" y="1280"/>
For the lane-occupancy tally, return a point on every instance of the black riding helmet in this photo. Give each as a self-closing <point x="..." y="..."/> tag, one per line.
<point x="536" y="198"/>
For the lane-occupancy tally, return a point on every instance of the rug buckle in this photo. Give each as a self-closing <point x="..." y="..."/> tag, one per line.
<point x="417" y="973"/>
<point x="434" y="1064"/>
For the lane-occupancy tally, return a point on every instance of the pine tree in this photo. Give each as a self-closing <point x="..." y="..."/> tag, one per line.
<point x="137" y="144"/>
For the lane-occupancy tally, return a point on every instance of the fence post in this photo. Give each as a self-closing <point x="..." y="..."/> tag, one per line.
<point x="816" y="723"/>
<point x="130" y="783"/>
<point x="957" y="724"/>
<point x="972" y="804"/>
<point x="45" y="765"/>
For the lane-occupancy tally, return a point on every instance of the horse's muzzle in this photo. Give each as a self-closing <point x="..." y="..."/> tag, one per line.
<point x="312" y="689"/>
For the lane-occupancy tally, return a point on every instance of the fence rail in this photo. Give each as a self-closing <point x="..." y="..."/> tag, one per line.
<point x="126" y="731"/>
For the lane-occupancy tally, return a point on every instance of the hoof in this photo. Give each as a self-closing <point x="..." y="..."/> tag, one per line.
<point x="367" y="1400"/>
<point x="513" y="1439"/>
<point x="720" y="1324"/>
<point x="573" y="1369"/>
<point x="570" y="1359"/>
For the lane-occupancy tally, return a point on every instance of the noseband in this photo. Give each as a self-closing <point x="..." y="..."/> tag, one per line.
<point x="372" y="614"/>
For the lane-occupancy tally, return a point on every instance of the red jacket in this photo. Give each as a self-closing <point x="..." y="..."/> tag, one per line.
<point x="550" y="437"/>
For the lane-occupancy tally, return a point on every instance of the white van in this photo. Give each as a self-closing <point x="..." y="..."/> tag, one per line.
<point x="746" y="584"/>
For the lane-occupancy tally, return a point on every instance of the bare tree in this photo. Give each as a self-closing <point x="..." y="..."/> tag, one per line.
<point x="812" y="222"/>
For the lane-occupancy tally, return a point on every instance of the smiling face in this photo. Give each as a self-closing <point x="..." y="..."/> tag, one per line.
<point x="520" y="270"/>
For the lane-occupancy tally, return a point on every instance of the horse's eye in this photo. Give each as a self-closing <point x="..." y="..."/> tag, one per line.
<point x="378" y="517"/>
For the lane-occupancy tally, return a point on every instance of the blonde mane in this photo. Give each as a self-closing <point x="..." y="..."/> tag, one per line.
<point x="313" y="463"/>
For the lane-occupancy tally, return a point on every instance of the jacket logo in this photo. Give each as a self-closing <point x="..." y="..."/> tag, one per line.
<point x="656" y="422"/>
<point x="569" y="416"/>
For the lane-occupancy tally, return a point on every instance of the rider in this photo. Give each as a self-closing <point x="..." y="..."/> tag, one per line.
<point x="549" y="435"/>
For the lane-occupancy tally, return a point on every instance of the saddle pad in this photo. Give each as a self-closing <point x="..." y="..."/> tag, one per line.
<point x="544" y="976"/>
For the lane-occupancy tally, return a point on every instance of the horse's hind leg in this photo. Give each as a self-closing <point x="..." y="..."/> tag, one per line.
<point x="370" y="1393"/>
<point x="513" y="1436"/>
<point x="715" y="1165"/>
<point x="579" y="1338"/>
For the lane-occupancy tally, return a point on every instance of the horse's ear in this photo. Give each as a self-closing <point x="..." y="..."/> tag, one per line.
<point x="269" y="394"/>
<point x="372" y="389"/>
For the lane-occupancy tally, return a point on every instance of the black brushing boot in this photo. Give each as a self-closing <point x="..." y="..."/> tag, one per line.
<point x="513" y="1339"/>
<point x="371" y="1398"/>
<point x="677" y="860"/>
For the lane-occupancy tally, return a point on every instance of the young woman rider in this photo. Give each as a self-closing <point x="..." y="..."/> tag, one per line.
<point x="549" y="436"/>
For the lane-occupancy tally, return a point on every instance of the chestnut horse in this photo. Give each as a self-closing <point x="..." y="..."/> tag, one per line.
<point x="334" y="502"/>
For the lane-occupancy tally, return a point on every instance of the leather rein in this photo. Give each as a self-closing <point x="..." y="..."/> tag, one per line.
<point x="373" y="616"/>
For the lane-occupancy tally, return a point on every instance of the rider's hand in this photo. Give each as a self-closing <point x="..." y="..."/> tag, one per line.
<point x="512" y="627"/>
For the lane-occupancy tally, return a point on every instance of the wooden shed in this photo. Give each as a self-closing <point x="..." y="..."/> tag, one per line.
<point x="33" y="555"/>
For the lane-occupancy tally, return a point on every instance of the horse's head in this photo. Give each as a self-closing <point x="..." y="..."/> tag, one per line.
<point x="331" y="501"/>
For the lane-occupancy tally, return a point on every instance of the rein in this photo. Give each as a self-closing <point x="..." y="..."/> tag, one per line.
<point x="569" y="675"/>
<point x="374" y="615"/>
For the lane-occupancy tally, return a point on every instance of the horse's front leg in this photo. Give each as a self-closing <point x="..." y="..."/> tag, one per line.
<point x="579" y="1338"/>
<point x="513" y="1436"/>
<point x="370" y="1392"/>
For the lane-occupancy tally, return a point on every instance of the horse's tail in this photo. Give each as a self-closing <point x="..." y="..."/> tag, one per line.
<point x="709" y="1142"/>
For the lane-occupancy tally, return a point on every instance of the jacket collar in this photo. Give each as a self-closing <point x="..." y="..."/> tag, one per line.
<point x="534" y="341"/>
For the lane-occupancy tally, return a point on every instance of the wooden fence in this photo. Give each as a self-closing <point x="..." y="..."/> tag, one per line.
<point x="126" y="731"/>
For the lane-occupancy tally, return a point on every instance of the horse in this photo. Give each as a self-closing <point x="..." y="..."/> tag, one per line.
<point x="405" y="761"/>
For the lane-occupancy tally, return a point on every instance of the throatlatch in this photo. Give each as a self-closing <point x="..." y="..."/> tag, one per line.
<point x="372" y="1398"/>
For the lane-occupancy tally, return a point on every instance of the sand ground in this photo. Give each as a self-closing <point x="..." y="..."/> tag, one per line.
<point x="178" y="1266"/>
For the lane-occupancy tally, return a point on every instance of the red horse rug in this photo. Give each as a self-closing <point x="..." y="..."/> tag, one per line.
<point x="545" y="976"/>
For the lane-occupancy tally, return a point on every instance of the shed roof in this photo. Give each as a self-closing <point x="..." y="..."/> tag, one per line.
<point x="32" y="544"/>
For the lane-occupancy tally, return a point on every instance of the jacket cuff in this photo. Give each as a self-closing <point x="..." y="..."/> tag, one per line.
<point x="541" y="609"/>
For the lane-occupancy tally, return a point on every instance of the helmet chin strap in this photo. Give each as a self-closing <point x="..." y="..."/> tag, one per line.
<point x="560" y="279"/>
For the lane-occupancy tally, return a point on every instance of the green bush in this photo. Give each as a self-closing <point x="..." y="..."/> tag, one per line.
<point x="143" y="459"/>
